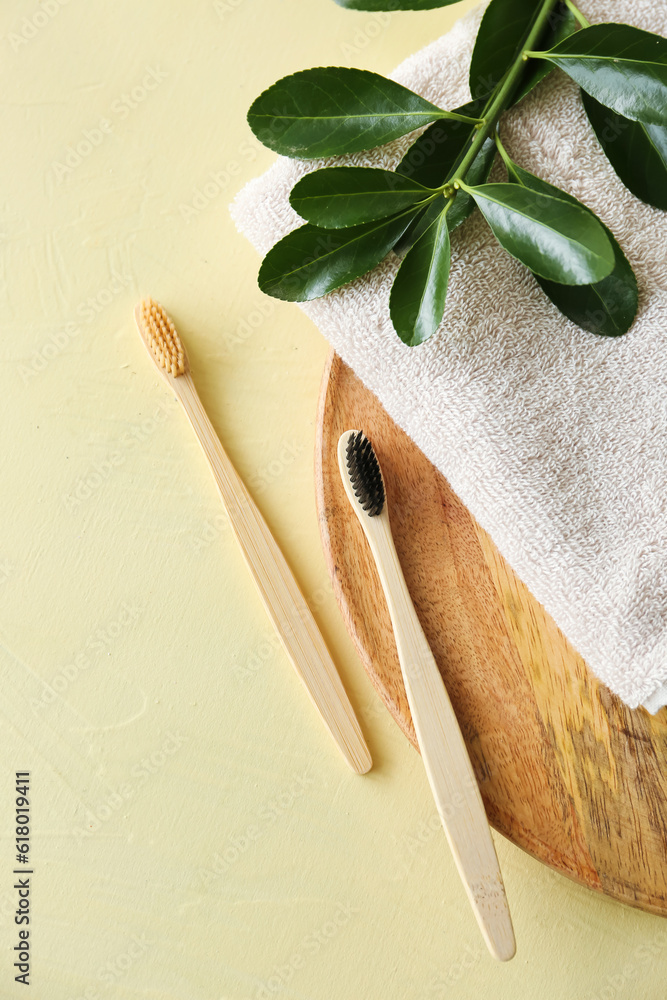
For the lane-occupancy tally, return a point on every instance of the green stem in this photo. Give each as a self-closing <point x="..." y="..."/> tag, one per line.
<point x="504" y="154"/>
<point x="501" y="97"/>
<point x="577" y="13"/>
<point x="462" y="118"/>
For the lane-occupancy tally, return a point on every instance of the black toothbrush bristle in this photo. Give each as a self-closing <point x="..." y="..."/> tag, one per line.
<point x="365" y="474"/>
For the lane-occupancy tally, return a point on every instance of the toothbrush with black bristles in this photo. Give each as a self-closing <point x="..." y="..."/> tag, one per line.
<point x="277" y="587"/>
<point x="440" y="740"/>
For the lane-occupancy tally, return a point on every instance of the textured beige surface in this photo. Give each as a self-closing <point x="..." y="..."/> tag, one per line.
<point x="195" y="835"/>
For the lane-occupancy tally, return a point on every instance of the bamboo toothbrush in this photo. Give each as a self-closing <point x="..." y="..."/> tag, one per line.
<point x="443" y="750"/>
<point x="282" y="598"/>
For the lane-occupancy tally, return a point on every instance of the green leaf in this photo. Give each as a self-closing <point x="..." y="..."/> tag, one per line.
<point x="335" y="110"/>
<point x="607" y="307"/>
<point x="622" y="67"/>
<point x="394" y="4"/>
<point x="417" y="299"/>
<point x="336" y="197"/>
<point x="561" y="24"/>
<point x="555" y="239"/>
<point x="478" y="171"/>
<point x="413" y="231"/>
<point x="311" y="261"/>
<point x="432" y="158"/>
<point x="463" y="204"/>
<point x="500" y="39"/>
<point x="636" y="151"/>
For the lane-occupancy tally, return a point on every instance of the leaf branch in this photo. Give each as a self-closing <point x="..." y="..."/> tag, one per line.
<point x="577" y="13"/>
<point x="501" y="96"/>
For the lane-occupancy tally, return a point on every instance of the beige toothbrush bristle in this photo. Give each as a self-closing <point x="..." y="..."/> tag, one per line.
<point x="161" y="337"/>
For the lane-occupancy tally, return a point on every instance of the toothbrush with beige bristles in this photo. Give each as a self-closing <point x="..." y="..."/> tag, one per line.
<point x="440" y="740"/>
<point x="278" y="589"/>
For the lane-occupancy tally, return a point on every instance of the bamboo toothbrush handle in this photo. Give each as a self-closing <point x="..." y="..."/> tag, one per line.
<point x="279" y="591"/>
<point x="444" y="753"/>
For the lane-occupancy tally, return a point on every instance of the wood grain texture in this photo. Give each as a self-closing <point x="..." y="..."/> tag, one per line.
<point x="566" y="770"/>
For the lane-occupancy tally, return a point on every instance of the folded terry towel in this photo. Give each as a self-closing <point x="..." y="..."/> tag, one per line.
<point x="554" y="438"/>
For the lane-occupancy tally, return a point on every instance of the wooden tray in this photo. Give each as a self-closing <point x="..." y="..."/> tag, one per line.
<point x="566" y="771"/>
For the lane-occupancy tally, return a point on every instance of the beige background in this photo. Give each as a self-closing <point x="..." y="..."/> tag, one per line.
<point x="195" y="834"/>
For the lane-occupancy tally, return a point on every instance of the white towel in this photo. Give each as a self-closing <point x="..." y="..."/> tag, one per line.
<point x="555" y="439"/>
